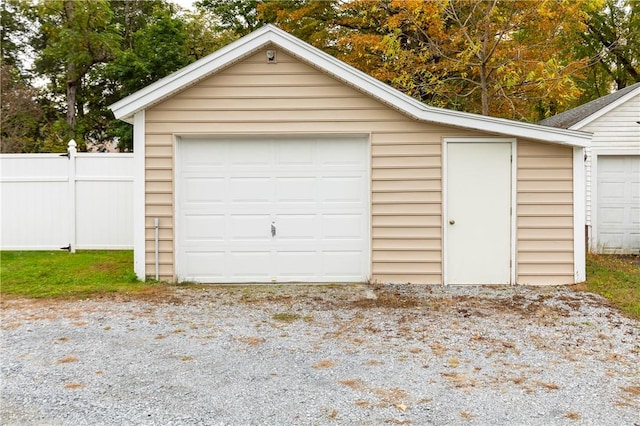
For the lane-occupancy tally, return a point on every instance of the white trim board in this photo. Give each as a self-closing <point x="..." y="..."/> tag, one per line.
<point x="579" y="215"/>
<point x="139" y="260"/>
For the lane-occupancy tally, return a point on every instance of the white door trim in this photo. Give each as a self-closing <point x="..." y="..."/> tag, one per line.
<point x="514" y="167"/>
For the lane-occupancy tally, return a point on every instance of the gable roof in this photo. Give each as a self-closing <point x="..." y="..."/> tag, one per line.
<point x="579" y="117"/>
<point x="269" y="34"/>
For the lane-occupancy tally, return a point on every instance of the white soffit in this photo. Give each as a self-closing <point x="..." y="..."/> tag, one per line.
<point x="239" y="49"/>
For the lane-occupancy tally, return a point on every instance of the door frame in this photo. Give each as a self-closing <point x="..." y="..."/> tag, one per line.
<point x="445" y="193"/>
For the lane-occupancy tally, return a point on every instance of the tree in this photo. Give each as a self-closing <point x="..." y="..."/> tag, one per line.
<point x="20" y="113"/>
<point x="74" y="38"/>
<point x="499" y="58"/>
<point x="165" y="43"/>
<point x="238" y="16"/>
<point x="612" y="40"/>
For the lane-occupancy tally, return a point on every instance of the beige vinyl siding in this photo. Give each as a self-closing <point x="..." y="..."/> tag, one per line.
<point x="253" y="97"/>
<point x="544" y="214"/>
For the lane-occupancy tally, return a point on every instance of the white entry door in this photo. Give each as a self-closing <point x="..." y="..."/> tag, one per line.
<point x="618" y="204"/>
<point x="272" y="210"/>
<point x="478" y="221"/>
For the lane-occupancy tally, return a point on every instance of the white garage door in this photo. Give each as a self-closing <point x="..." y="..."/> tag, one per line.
<point x="272" y="210"/>
<point x="618" y="211"/>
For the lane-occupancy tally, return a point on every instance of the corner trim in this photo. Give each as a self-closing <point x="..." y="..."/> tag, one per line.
<point x="139" y="261"/>
<point x="579" y="215"/>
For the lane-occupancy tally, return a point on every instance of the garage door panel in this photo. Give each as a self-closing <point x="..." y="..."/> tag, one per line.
<point x="204" y="190"/>
<point x="248" y="154"/>
<point x="205" y="264"/>
<point x="192" y="160"/>
<point x="613" y="240"/>
<point x="612" y="215"/>
<point x="204" y="227"/>
<point x="350" y="155"/>
<point x="250" y="265"/>
<point x="293" y="153"/>
<point x="346" y="189"/>
<point x="296" y="190"/>
<point x="250" y="190"/>
<point x="343" y="226"/>
<point x="253" y="227"/>
<point x="612" y="190"/>
<point x="341" y="265"/>
<point x="313" y="190"/>
<point x="300" y="227"/>
<point x="296" y="265"/>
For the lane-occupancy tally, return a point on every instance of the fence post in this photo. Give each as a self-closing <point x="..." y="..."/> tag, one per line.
<point x="71" y="150"/>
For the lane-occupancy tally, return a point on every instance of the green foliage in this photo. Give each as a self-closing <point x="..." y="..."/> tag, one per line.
<point x="237" y="16"/>
<point x="93" y="53"/>
<point x="612" y="42"/>
<point x="20" y="114"/>
<point x="45" y="274"/>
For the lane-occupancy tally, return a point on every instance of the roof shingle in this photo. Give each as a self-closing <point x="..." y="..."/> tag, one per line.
<point x="566" y="119"/>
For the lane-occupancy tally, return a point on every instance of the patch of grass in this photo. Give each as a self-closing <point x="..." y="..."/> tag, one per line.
<point x="286" y="317"/>
<point x="47" y="274"/>
<point x="617" y="278"/>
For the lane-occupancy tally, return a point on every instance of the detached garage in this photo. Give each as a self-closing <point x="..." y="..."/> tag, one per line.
<point x="271" y="161"/>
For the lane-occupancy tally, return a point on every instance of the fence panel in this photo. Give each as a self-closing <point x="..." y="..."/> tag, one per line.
<point x="104" y="201"/>
<point x="81" y="200"/>
<point x="35" y="201"/>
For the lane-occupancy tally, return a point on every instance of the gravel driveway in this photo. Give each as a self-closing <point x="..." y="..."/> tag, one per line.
<point x="326" y="355"/>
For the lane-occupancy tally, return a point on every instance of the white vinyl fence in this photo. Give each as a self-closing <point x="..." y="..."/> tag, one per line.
<point x="73" y="201"/>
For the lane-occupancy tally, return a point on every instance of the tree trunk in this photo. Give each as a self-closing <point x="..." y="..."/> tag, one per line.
<point x="72" y="94"/>
<point x="72" y="79"/>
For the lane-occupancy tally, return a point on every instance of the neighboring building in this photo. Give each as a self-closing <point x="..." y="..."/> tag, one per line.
<point x="612" y="168"/>
<point x="272" y="161"/>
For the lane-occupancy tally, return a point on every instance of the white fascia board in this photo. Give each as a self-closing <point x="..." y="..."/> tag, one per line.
<point x="585" y="121"/>
<point x="171" y="84"/>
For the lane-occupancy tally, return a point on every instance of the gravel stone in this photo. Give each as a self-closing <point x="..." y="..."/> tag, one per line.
<point x="321" y="355"/>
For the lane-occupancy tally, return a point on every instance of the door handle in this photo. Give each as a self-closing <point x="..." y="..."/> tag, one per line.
<point x="273" y="229"/>
<point x="452" y="222"/>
